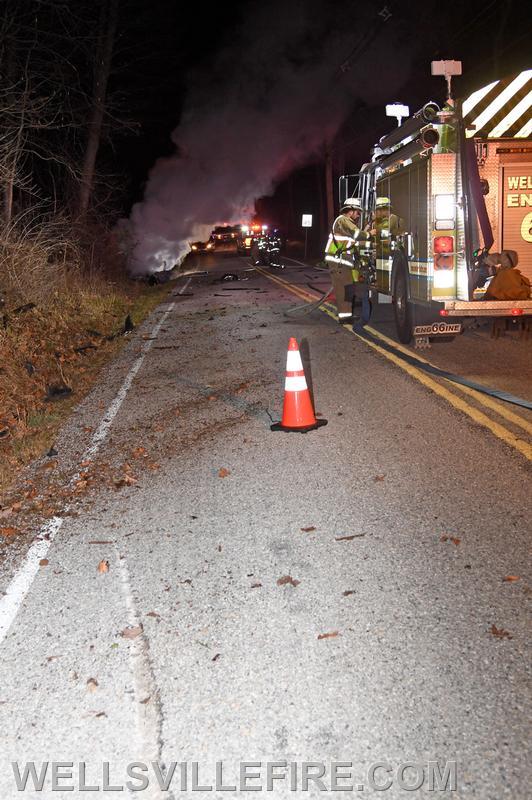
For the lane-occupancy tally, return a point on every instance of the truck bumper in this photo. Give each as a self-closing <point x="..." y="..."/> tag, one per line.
<point x="486" y="308"/>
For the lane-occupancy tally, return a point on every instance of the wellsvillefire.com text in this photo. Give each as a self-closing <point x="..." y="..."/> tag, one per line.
<point x="244" y="776"/>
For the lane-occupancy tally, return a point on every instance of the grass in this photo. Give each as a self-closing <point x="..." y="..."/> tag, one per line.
<point x="70" y="328"/>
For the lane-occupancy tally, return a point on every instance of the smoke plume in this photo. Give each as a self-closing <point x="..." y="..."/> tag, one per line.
<point x="265" y="106"/>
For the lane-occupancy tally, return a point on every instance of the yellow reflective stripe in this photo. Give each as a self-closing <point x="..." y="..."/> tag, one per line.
<point x="516" y="112"/>
<point x="500" y="101"/>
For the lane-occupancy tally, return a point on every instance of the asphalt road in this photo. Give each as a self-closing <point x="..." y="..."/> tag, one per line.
<point x="355" y="594"/>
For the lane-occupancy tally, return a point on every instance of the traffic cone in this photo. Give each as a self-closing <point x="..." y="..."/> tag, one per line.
<point x="298" y="414"/>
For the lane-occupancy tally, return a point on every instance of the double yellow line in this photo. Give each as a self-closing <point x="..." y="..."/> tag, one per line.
<point x="474" y="413"/>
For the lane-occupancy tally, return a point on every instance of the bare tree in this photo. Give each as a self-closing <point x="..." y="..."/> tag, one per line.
<point x="102" y="70"/>
<point x="37" y="112"/>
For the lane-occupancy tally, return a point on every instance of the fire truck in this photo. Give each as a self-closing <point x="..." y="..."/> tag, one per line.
<point x="448" y="198"/>
<point x="247" y="234"/>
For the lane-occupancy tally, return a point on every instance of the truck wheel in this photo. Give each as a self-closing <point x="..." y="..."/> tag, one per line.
<point x="402" y="306"/>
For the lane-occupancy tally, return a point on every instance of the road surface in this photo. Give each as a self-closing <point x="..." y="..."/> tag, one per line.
<point x="199" y="589"/>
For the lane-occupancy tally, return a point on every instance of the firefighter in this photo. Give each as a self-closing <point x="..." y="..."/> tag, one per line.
<point x="387" y="224"/>
<point x="342" y="256"/>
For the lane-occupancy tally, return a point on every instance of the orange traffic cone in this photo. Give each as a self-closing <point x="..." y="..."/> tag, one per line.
<point x="298" y="414"/>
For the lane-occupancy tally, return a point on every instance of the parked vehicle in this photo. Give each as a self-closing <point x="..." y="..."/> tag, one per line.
<point x="202" y="247"/>
<point x="224" y="235"/>
<point x="441" y="194"/>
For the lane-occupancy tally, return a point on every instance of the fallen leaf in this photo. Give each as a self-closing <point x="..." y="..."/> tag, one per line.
<point x="258" y="585"/>
<point x="15" y="508"/>
<point x="348" y="592"/>
<point x="100" y="714"/>
<point x="500" y="633"/>
<point x="379" y="477"/>
<point x="349" y="538"/>
<point x="330" y="635"/>
<point x="43" y="562"/>
<point x="132" y="632"/>
<point x="216" y="657"/>
<point x="223" y="472"/>
<point x="288" y="579"/>
<point x="125" y="480"/>
<point x="92" y="684"/>
<point x="309" y="529"/>
<point x="7" y="532"/>
<point x="103" y="566"/>
<point x="153" y="614"/>
<point x="154" y="465"/>
<point x="452" y="539"/>
<point x="139" y="452"/>
<point x="511" y="579"/>
<point x="146" y="700"/>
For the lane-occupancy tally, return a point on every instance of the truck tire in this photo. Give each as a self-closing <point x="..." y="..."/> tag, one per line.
<point x="402" y="305"/>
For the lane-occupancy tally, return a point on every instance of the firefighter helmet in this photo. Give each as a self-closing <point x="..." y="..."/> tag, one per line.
<point x="351" y="204"/>
<point x="382" y="201"/>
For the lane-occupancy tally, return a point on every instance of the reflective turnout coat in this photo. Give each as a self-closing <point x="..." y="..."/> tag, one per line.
<point x="341" y="253"/>
<point x="343" y="240"/>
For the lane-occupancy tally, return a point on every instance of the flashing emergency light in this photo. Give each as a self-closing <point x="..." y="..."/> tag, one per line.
<point x="444" y="312"/>
<point x="443" y="244"/>
<point x="516" y="312"/>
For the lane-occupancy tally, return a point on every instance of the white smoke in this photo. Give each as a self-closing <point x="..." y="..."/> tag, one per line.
<point x="267" y="105"/>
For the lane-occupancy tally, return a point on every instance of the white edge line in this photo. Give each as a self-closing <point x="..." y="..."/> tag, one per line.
<point x="21" y="582"/>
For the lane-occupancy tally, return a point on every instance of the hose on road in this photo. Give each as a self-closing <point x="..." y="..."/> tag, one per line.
<point x="440" y="373"/>
<point x="307" y="308"/>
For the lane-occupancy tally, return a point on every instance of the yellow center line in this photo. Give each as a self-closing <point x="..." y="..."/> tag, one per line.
<point x="515" y="419"/>
<point x="478" y="416"/>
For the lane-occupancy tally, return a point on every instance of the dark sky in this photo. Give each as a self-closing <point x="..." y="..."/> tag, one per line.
<point x="228" y="79"/>
<point x="174" y="40"/>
